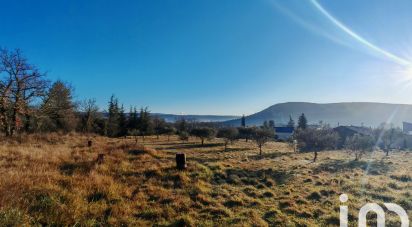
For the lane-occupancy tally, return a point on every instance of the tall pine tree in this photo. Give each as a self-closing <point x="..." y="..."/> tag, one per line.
<point x="113" y="120"/>
<point x="58" y="109"/>
<point x="145" y="122"/>
<point x="243" y="121"/>
<point x="133" y="120"/>
<point x="291" y="122"/>
<point x="122" y="122"/>
<point x="302" y="122"/>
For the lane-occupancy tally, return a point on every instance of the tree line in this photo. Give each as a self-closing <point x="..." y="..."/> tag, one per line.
<point x="30" y="103"/>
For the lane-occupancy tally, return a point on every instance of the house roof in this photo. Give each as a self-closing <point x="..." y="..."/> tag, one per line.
<point x="407" y="127"/>
<point x="353" y="130"/>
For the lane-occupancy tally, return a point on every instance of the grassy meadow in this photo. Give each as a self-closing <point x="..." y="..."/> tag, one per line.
<point x="55" y="180"/>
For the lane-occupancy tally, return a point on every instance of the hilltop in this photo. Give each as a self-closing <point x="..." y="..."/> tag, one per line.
<point x="346" y="113"/>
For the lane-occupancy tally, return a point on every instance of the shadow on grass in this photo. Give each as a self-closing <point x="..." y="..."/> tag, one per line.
<point x="271" y="155"/>
<point x="230" y="149"/>
<point x="203" y="159"/>
<point x="373" y="167"/>
<point x="69" y="168"/>
<point x="172" y="143"/>
<point x="240" y="176"/>
<point x="196" y="145"/>
<point x="136" y="152"/>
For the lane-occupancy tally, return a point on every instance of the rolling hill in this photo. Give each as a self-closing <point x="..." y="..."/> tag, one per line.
<point x="198" y="118"/>
<point x="350" y="113"/>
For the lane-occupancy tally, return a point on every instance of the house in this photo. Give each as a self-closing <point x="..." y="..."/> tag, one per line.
<point x="348" y="131"/>
<point x="284" y="133"/>
<point x="407" y="128"/>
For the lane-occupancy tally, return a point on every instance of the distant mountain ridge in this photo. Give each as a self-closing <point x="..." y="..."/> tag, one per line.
<point x="197" y="118"/>
<point x="345" y="113"/>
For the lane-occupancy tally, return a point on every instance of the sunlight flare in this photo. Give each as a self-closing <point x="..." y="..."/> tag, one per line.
<point x="359" y="38"/>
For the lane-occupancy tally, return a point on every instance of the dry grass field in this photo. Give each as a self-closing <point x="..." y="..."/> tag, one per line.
<point x="55" y="180"/>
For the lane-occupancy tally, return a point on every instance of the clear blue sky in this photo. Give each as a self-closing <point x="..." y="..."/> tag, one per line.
<point x="214" y="56"/>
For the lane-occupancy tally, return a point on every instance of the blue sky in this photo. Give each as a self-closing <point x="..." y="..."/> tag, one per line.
<point x="216" y="57"/>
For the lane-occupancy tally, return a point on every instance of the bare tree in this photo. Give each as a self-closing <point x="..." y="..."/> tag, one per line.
<point x="228" y="135"/>
<point x="159" y="126"/>
<point x="21" y="84"/>
<point x="90" y="114"/>
<point x="203" y="133"/>
<point x="5" y="94"/>
<point x="316" y="140"/>
<point x="389" y="139"/>
<point x="360" y="145"/>
<point x="262" y="136"/>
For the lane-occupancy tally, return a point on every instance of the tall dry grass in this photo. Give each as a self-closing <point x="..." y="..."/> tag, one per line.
<point x="55" y="180"/>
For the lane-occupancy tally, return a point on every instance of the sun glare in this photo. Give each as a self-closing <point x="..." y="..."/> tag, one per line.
<point x="406" y="74"/>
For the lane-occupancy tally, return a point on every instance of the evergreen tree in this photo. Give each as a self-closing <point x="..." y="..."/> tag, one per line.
<point x="58" y="109"/>
<point x="145" y="122"/>
<point x="122" y="122"/>
<point x="291" y="122"/>
<point x="303" y="122"/>
<point x="112" y="124"/>
<point x="243" y="121"/>
<point x="133" y="120"/>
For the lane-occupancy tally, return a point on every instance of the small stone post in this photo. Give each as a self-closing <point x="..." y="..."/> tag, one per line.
<point x="100" y="159"/>
<point x="181" y="161"/>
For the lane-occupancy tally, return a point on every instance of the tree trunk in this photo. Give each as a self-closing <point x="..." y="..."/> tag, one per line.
<point x="260" y="150"/>
<point x="13" y="121"/>
<point x="27" y="123"/>
<point x="225" y="147"/>
<point x="316" y="156"/>
<point x="7" y="131"/>
<point x="203" y="141"/>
